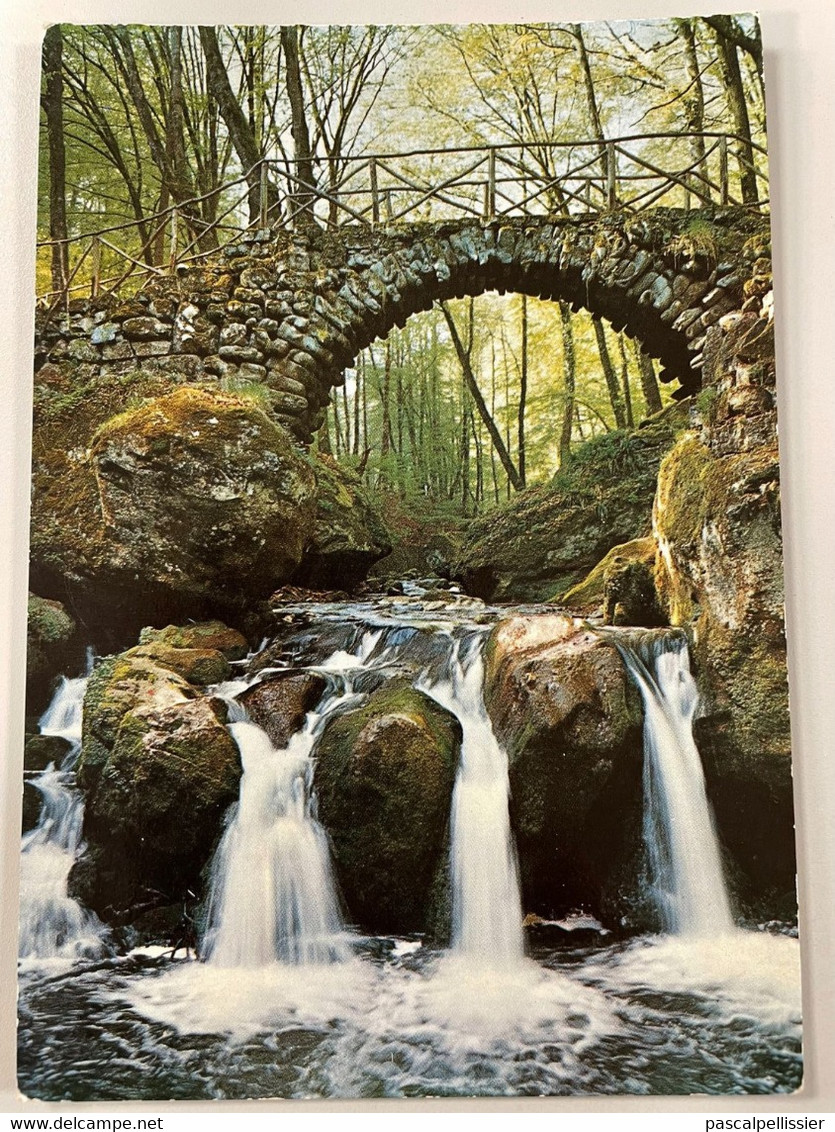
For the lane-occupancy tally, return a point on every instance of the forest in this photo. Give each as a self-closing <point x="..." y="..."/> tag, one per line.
<point x="169" y="141"/>
<point x="406" y="675"/>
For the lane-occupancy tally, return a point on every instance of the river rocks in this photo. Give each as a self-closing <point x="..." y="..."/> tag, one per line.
<point x="159" y="769"/>
<point x="719" y="568"/>
<point x="569" y="718"/>
<point x="279" y="705"/>
<point x="212" y="635"/>
<point x="348" y="534"/>
<point x="599" y="586"/>
<point x="384" y="779"/>
<point x="548" y="538"/>
<point x="51" y="645"/>
<point x="193" y="502"/>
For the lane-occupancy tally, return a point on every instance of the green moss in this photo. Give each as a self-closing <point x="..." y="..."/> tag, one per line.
<point x="548" y="538"/>
<point x="199" y="635"/>
<point x="198" y="666"/>
<point x="384" y="778"/>
<point x="588" y="594"/>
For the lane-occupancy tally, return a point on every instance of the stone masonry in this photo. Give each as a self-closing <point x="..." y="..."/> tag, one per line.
<point x="293" y="310"/>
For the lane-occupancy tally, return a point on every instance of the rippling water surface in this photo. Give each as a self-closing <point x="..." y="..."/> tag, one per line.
<point x="657" y="1015"/>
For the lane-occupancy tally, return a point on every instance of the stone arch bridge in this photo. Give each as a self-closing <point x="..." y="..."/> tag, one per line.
<point x="292" y="310"/>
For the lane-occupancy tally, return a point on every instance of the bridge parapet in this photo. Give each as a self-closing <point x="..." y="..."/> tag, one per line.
<point x="290" y="310"/>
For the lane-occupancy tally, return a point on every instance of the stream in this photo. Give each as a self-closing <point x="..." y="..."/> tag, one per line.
<point x="287" y="1000"/>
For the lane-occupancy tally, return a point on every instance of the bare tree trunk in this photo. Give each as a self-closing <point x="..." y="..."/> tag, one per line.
<point x="305" y="194"/>
<point x="694" y="99"/>
<point x="591" y="97"/>
<point x="52" y="101"/>
<point x="624" y="374"/>
<point x="240" y="130"/>
<point x="475" y="393"/>
<point x="569" y="369"/>
<point x="738" y="106"/>
<point x="523" y="393"/>
<point x="609" y="373"/>
<point x="385" y="440"/>
<point x="649" y="382"/>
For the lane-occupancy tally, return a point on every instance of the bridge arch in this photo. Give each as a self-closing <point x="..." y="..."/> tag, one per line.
<point x="294" y="309"/>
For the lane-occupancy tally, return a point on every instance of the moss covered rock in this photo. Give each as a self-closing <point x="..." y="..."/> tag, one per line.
<point x="197" y="666"/>
<point x="384" y="778"/>
<point x="212" y="635"/>
<point x="569" y="718"/>
<point x="348" y="535"/>
<point x="51" y="646"/>
<point x="192" y="502"/>
<point x="589" y="595"/>
<point x="547" y="539"/>
<point x="279" y="705"/>
<point x="159" y="769"/>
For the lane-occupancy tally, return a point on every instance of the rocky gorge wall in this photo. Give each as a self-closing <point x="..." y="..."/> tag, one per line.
<point x="160" y="496"/>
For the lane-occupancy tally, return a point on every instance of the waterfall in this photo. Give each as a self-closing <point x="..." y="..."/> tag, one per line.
<point x="52" y="924"/>
<point x="273" y="897"/>
<point x="688" y="884"/>
<point x="486" y="902"/>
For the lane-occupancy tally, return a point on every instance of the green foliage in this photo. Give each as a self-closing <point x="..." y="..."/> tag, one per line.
<point x="254" y="391"/>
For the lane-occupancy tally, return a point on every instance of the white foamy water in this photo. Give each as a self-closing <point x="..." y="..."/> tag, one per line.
<point x="746" y="974"/>
<point x="688" y="883"/>
<point x="273" y="897"/>
<point x="52" y="924"/>
<point x="486" y="902"/>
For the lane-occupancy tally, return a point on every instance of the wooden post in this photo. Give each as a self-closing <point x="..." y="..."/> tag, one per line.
<point x="375" y="193"/>
<point x="491" y="184"/>
<point x="263" y="218"/>
<point x="611" y="176"/>
<point x="95" y="281"/>
<point x="723" y="170"/>
<point x="387" y="201"/>
<point x="172" y="243"/>
<point x="486" y="209"/>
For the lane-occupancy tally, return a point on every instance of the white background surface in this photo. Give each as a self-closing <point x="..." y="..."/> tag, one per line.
<point x="799" y="41"/>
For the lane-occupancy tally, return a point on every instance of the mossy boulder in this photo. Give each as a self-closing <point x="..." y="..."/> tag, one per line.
<point x="348" y="535"/>
<point x="213" y="635"/>
<point x="197" y="666"/>
<point x="589" y="595"/>
<point x="384" y="779"/>
<point x="564" y="709"/>
<point x="159" y="769"/>
<point x="51" y="647"/>
<point x="280" y="704"/>
<point x="719" y="571"/>
<point x="195" y="501"/>
<point x="547" y="539"/>
<point x="41" y="750"/>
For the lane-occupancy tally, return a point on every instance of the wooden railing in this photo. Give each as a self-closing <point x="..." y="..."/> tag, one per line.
<point x="486" y="183"/>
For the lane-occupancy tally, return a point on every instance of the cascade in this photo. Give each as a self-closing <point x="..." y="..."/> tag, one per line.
<point x="273" y="897"/>
<point x="486" y="901"/>
<point x="52" y="924"/>
<point x="688" y="884"/>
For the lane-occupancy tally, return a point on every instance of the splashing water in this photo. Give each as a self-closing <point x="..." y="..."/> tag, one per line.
<point x="52" y="924"/>
<point x="273" y="897"/>
<point x="486" y="902"/>
<point x="688" y="884"/>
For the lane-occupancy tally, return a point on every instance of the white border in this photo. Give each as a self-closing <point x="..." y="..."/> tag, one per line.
<point x="799" y="39"/>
